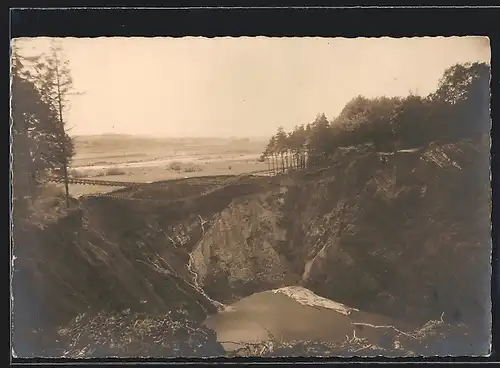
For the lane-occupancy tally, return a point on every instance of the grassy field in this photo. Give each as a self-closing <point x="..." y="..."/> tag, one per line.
<point x="144" y="159"/>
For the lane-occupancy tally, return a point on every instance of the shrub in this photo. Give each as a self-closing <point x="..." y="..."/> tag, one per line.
<point x="115" y="171"/>
<point x="194" y="168"/>
<point x="183" y="166"/>
<point x="175" y="166"/>
<point x="74" y="173"/>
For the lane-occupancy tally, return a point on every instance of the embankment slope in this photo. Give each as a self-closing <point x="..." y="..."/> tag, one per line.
<point x="407" y="237"/>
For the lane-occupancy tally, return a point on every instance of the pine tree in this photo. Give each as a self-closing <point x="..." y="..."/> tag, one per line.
<point x="40" y="85"/>
<point x="32" y="122"/>
<point x="56" y="84"/>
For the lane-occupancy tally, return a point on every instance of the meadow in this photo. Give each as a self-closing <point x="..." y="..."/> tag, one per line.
<point x="149" y="159"/>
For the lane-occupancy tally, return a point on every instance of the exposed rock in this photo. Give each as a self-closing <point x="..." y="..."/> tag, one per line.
<point x="386" y="238"/>
<point x="237" y="255"/>
<point x="307" y="297"/>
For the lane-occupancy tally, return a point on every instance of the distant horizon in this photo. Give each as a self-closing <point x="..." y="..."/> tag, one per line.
<point x="139" y="135"/>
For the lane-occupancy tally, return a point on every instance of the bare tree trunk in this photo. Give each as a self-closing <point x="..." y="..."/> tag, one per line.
<point x="63" y="143"/>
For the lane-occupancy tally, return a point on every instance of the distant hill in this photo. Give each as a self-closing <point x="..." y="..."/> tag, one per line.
<point x="108" y="143"/>
<point x="128" y="137"/>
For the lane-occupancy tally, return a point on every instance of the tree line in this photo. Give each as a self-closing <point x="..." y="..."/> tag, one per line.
<point x="457" y="109"/>
<point x="40" y="86"/>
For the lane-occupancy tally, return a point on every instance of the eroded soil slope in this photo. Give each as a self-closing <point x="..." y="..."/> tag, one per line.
<point x="406" y="237"/>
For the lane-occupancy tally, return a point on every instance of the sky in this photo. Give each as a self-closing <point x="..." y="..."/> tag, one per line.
<point x="241" y="87"/>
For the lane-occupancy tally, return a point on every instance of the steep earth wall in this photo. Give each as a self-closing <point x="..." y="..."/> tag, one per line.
<point x="407" y="237"/>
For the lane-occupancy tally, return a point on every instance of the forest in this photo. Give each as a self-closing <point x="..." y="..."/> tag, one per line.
<point x="458" y="109"/>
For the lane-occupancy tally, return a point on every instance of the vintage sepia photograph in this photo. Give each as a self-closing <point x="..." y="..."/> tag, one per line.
<point x="250" y="197"/>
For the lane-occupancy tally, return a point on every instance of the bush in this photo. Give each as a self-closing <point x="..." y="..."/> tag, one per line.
<point x="194" y="168"/>
<point x="115" y="171"/>
<point x="183" y="166"/>
<point x="74" y="173"/>
<point x="49" y="205"/>
<point x="175" y="166"/>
